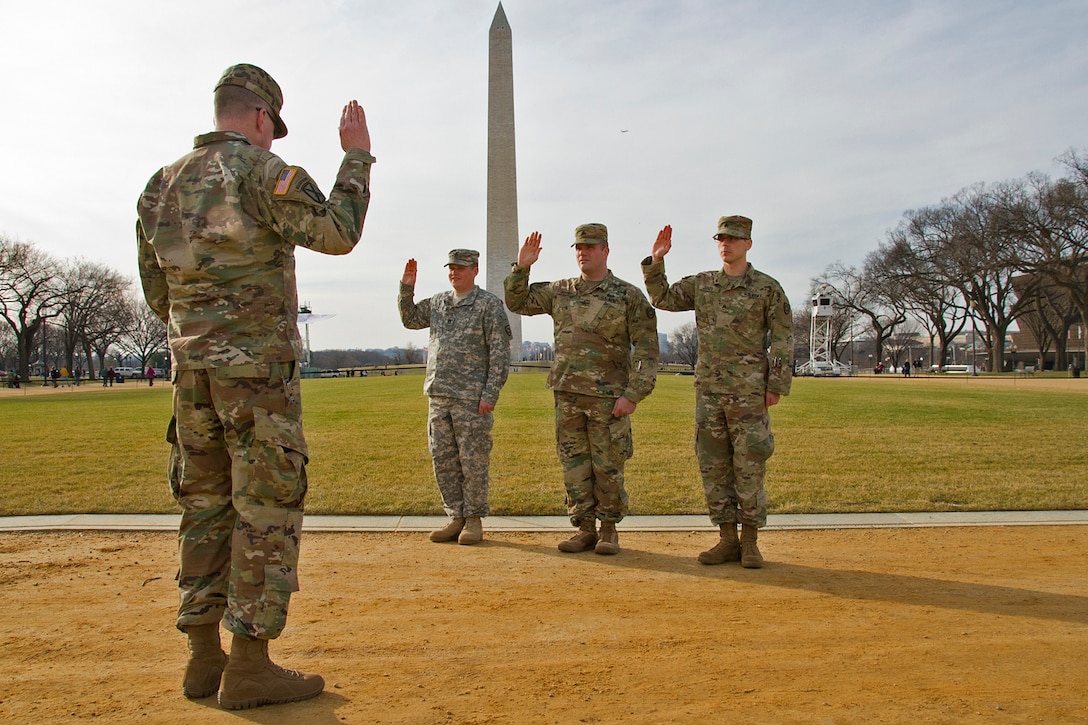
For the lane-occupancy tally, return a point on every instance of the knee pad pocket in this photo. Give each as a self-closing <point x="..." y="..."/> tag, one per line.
<point x="279" y="456"/>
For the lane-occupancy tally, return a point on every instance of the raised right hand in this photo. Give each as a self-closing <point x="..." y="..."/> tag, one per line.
<point x="662" y="244"/>
<point x="530" y="251"/>
<point x="409" y="277"/>
<point x="353" y="131"/>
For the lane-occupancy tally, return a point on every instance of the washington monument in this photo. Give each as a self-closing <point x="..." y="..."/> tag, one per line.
<point x="502" y="183"/>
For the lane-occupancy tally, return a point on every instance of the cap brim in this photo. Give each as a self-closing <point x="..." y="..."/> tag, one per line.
<point x="279" y="128"/>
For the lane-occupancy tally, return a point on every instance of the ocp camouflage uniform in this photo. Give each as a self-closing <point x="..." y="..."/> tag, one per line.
<point x="468" y="360"/>
<point x="217" y="232"/>
<point x="605" y="347"/>
<point x="745" y="333"/>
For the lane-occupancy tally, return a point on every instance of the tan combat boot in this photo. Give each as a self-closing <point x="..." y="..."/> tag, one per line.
<point x="750" y="558"/>
<point x="727" y="549"/>
<point x="473" y="533"/>
<point x="206" y="661"/>
<point x="609" y="541"/>
<point x="584" y="540"/>
<point x="449" y="532"/>
<point x="251" y="679"/>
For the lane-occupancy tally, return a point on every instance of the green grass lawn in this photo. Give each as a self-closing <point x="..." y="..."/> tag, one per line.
<point x="845" y="445"/>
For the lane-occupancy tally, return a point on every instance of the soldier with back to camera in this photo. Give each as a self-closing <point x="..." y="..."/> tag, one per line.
<point x="216" y="233"/>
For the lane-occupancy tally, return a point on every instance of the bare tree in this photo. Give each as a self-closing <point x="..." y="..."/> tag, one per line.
<point x="30" y="294"/>
<point x="802" y="328"/>
<point x="1048" y="316"/>
<point x="88" y="287"/>
<point x="913" y="255"/>
<point x="9" y="355"/>
<point x="900" y="345"/>
<point x="870" y="293"/>
<point x="415" y="355"/>
<point x="981" y="261"/>
<point x="146" y="334"/>
<point x="1052" y="218"/>
<point x="684" y="344"/>
<point x="105" y="328"/>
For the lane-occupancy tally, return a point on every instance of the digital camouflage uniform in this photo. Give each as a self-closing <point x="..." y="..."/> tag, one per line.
<point x="216" y="234"/>
<point x="468" y="360"/>
<point x="605" y="347"/>
<point x="745" y="333"/>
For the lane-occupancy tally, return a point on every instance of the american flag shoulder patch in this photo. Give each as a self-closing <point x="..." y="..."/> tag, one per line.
<point x="283" y="183"/>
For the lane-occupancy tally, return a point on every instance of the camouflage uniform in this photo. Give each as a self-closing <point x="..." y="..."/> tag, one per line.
<point x="738" y="320"/>
<point x="468" y="361"/>
<point x="605" y="347"/>
<point x="217" y="232"/>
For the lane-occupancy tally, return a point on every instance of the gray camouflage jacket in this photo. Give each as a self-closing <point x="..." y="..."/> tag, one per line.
<point x="468" y="356"/>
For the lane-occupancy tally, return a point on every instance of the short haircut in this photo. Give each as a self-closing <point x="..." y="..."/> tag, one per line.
<point x="233" y="101"/>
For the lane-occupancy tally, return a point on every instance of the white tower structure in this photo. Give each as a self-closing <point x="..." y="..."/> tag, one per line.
<point x="305" y="318"/>
<point x="821" y="361"/>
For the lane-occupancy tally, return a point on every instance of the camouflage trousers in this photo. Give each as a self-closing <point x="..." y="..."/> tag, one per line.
<point x="733" y="441"/>
<point x="592" y="447"/>
<point x="460" y="442"/>
<point x="238" y="470"/>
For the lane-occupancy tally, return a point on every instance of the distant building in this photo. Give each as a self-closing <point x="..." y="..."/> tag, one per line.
<point x="537" y="351"/>
<point x="1051" y="334"/>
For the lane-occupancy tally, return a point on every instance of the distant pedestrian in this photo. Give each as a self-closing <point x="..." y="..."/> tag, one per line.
<point x="150" y="377"/>
<point x="468" y="359"/>
<point x="906" y="369"/>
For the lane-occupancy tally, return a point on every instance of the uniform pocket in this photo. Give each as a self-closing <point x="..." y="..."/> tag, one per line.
<point x="622" y="440"/>
<point x="760" y="443"/>
<point x="279" y="460"/>
<point x="173" y="462"/>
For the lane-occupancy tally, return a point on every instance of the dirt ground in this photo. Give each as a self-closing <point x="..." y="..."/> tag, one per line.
<point x="889" y="625"/>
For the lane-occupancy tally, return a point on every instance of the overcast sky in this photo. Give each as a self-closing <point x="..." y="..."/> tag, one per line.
<point x="822" y="120"/>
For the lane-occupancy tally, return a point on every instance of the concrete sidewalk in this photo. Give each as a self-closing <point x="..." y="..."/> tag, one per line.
<point x="400" y="524"/>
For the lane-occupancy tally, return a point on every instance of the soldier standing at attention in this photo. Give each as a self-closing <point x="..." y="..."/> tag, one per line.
<point x="605" y="364"/>
<point x="216" y="234"/>
<point x="468" y="359"/>
<point x="745" y="334"/>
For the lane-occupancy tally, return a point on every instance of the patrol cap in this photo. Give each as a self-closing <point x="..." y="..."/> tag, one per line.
<point x="464" y="258"/>
<point x="734" y="226"/>
<point x="591" y="234"/>
<point x="257" y="81"/>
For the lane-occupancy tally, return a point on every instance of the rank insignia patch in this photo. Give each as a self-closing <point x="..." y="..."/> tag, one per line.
<point x="283" y="183"/>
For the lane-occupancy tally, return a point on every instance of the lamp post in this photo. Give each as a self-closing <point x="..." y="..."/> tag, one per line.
<point x="974" y="335"/>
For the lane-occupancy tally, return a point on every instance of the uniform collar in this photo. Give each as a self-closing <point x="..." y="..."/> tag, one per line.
<point x="468" y="299"/>
<point x="581" y="283"/>
<point x="726" y="280"/>
<point x="206" y="139"/>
